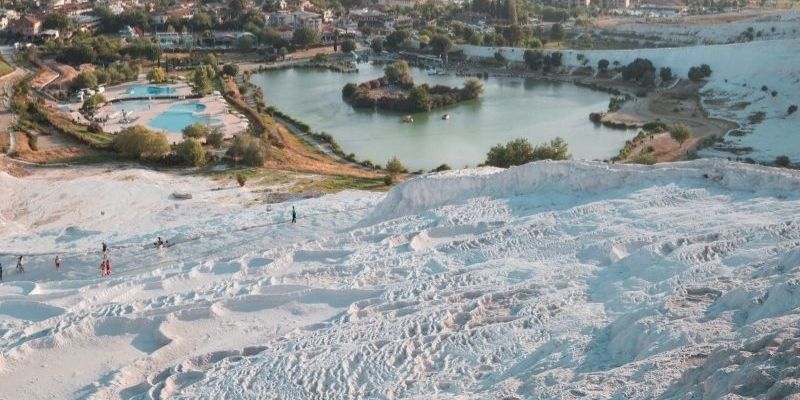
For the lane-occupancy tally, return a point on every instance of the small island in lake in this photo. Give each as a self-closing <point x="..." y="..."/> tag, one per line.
<point x="396" y="91"/>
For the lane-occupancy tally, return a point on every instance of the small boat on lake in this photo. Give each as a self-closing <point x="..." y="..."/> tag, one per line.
<point x="408" y="119"/>
<point x="445" y="117"/>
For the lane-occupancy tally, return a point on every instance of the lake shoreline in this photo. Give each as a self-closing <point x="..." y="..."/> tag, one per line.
<point x="639" y="110"/>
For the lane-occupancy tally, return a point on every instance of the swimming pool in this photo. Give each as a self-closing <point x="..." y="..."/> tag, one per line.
<point x="149" y="90"/>
<point x="178" y="116"/>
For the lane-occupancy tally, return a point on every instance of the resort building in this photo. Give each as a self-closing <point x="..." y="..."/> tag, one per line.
<point x="174" y="39"/>
<point x="296" y="20"/>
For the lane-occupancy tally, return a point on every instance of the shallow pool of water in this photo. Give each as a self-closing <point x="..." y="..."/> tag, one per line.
<point x="149" y="90"/>
<point x="180" y="115"/>
<point x="510" y="108"/>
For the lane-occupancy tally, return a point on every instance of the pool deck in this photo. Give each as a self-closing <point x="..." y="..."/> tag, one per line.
<point x="231" y="121"/>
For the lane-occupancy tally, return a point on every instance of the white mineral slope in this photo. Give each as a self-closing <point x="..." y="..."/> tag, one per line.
<point x="734" y="90"/>
<point x="550" y="280"/>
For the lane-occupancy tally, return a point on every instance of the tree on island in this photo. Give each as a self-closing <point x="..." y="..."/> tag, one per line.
<point x="680" y="133"/>
<point x="397" y="73"/>
<point x="472" y="88"/>
<point x="305" y="37"/>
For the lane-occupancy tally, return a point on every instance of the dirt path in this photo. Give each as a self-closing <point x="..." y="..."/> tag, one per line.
<point x="679" y="104"/>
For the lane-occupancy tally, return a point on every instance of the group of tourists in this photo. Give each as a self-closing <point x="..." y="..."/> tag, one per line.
<point x="105" y="263"/>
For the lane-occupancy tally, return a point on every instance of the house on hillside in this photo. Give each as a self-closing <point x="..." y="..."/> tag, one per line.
<point x="27" y="26"/>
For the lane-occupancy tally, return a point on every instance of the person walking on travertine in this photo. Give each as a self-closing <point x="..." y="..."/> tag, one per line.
<point x="294" y="215"/>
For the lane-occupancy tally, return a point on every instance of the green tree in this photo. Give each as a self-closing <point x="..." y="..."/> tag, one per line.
<point x="230" y="70"/>
<point x="377" y="45"/>
<point x="202" y="79"/>
<point x="305" y="37"/>
<point x="200" y="22"/>
<point x="191" y="153"/>
<point x="138" y="142"/>
<point x="215" y="138"/>
<point x="348" y="45"/>
<point x="84" y="80"/>
<point x="534" y="59"/>
<point x="441" y="44"/>
<point x="249" y="150"/>
<point x="245" y="43"/>
<point x="211" y="59"/>
<point x="557" y="33"/>
<point x="520" y="151"/>
<point x="394" y="166"/>
<point x="157" y="75"/>
<point x="195" y="131"/>
<point x="396" y="72"/>
<point x="419" y="99"/>
<point x="472" y="88"/>
<point x="783" y="161"/>
<point x="91" y="104"/>
<point x="680" y="133"/>
<point x="602" y="65"/>
<point x="665" y="73"/>
<point x="56" y="20"/>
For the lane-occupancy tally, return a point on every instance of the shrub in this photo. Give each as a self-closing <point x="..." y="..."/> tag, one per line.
<point x="595" y="117"/>
<point x="157" y="75"/>
<point x="655" y="127"/>
<point x="191" y="153"/>
<point x="645" y="159"/>
<point x="782" y="161"/>
<point x="249" y="150"/>
<point x="698" y="73"/>
<point x="680" y="133"/>
<point x="792" y="109"/>
<point x="757" y="117"/>
<point x="602" y="65"/>
<point x="443" y="167"/>
<point x="349" y="90"/>
<point x="394" y="166"/>
<point x="215" y="138"/>
<point x="241" y="178"/>
<point x="138" y="142"/>
<point x="520" y="151"/>
<point x="388" y="179"/>
<point x="195" y="131"/>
